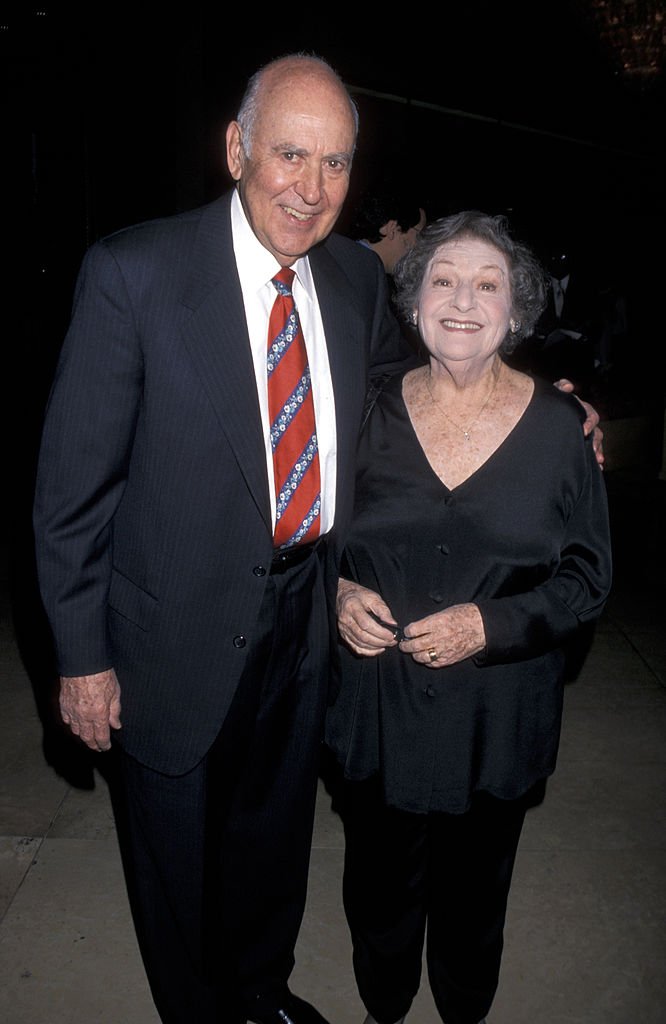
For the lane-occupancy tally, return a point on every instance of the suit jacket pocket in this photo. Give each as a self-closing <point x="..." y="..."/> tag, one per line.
<point x="130" y="601"/>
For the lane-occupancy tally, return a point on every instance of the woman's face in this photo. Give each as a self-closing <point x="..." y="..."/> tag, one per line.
<point x="465" y="301"/>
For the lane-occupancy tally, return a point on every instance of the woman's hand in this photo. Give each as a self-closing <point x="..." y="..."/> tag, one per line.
<point x="355" y="607"/>
<point x="445" y="637"/>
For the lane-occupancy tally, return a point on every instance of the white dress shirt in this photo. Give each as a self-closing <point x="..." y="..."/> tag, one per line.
<point x="256" y="269"/>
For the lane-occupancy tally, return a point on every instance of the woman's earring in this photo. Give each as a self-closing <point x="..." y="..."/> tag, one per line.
<point x="414" y="318"/>
<point x="514" y="325"/>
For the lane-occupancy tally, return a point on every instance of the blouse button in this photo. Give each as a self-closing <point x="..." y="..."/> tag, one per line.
<point x="430" y="691"/>
<point x="239" y="641"/>
<point x="259" y="570"/>
<point x="436" y="596"/>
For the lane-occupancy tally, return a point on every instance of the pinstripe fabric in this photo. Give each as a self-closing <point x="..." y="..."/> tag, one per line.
<point x="152" y="511"/>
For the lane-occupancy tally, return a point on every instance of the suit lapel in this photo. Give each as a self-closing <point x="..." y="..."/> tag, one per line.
<point x="216" y="337"/>
<point x="347" y="339"/>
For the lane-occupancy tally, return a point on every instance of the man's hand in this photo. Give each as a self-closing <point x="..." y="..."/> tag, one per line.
<point x="90" y="706"/>
<point x="591" y="424"/>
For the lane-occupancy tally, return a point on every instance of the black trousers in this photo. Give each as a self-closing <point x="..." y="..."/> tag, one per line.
<point x="445" y="874"/>
<point x="217" y="860"/>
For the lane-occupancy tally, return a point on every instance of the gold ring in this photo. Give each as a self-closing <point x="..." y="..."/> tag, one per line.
<point x="432" y="654"/>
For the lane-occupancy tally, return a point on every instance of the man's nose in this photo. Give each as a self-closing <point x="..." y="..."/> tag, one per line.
<point x="309" y="185"/>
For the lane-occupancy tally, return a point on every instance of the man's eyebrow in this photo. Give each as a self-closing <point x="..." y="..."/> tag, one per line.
<point x="344" y="155"/>
<point x="287" y="147"/>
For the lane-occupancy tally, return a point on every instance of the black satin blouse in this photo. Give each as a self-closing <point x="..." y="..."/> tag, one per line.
<point x="526" y="538"/>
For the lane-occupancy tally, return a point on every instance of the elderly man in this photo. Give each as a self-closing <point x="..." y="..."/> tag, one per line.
<point x="184" y="586"/>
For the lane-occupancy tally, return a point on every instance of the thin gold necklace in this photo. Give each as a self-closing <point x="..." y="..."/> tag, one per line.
<point x="464" y="430"/>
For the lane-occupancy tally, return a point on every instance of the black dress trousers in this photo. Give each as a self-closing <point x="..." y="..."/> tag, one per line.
<point x="444" y="875"/>
<point x="217" y="860"/>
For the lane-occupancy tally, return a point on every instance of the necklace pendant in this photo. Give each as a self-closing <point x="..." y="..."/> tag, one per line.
<point x="466" y="435"/>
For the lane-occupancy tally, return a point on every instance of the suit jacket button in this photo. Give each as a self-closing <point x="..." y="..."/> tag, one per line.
<point x="259" y="570"/>
<point x="239" y="641"/>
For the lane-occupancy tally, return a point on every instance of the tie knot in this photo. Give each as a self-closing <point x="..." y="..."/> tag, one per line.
<point x="284" y="280"/>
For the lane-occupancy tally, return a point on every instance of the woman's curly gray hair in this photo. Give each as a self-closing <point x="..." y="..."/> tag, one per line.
<point x="527" y="279"/>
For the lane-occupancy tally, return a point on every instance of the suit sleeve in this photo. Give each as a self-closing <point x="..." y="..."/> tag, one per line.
<point x="390" y="351"/>
<point x="529" y="624"/>
<point x="86" y="446"/>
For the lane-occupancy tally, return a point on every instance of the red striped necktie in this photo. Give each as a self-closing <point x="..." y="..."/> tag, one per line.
<point x="292" y="419"/>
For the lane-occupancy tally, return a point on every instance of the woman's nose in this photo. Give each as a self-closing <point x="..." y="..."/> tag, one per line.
<point x="463" y="296"/>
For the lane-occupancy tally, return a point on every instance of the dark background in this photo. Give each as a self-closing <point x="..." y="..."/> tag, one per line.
<point x="116" y="113"/>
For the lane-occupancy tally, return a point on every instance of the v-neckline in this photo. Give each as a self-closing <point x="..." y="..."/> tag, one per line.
<point x="451" y="489"/>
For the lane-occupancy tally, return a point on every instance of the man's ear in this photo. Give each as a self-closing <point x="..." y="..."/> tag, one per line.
<point x="389" y="229"/>
<point x="235" y="152"/>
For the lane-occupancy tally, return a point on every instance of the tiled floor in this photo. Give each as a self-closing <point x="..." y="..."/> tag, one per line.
<point x="586" y="933"/>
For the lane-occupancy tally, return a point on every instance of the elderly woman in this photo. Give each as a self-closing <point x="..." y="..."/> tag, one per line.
<point x="480" y="547"/>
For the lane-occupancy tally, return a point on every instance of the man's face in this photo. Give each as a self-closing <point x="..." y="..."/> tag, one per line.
<point x="295" y="180"/>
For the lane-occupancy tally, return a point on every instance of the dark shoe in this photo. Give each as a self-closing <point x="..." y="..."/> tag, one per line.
<point x="289" y="1010"/>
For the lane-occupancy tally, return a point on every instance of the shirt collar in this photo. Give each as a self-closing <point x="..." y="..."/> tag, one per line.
<point x="256" y="265"/>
